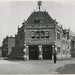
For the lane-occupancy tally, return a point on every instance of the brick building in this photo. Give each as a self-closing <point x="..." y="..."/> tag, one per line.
<point x="40" y="36"/>
<point x="7" y="45"/>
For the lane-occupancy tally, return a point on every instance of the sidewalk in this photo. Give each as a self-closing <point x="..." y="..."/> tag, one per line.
<point x="65" y="59"/>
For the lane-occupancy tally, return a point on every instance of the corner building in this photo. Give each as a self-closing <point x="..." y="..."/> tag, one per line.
<point x="38" y="37"/>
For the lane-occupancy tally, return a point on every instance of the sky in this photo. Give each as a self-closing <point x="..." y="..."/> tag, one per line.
<point x="13" y="13"/>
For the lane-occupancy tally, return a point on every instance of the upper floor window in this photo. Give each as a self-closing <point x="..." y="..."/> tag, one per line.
<point x="37" y="34"/>
<point x="46" y="34"/>
<point x="32" y="34"/>
<point x="39" y="20"/>
<point x="58" y="36"/>
<point x="42" y="34"/>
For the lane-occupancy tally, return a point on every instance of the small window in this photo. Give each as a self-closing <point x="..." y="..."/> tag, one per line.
<point x="37" y="21"/>
<point x="46" y="34"/>
<point x="32" y="34"/>
<point x="58" y="36"/>
<point x="37" y="34"/>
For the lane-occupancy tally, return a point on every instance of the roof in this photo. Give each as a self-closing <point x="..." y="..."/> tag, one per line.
<point x="47" y="19"/>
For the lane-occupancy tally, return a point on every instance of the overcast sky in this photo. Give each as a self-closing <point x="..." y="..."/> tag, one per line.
<point x="13" y="14"/>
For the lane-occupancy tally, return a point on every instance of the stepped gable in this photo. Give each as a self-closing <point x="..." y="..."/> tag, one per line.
<point x="42" y="15"/>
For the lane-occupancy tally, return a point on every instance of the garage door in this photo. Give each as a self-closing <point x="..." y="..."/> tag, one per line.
<point x="47" y="52"/>
<point x="33" y="52"/>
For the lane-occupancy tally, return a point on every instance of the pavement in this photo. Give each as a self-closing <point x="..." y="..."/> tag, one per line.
<point x="37" y="66"/>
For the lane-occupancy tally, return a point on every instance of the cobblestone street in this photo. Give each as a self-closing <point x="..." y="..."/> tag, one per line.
<point x="37" y="67"/>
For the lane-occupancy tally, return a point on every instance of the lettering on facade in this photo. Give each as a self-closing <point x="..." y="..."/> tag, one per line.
<point x="40" y="40"/>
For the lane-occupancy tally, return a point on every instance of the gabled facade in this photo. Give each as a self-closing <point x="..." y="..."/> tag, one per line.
<point x="40" y="37"/>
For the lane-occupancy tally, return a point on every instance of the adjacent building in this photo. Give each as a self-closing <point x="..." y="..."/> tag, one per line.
<point x="7" y="45"/>
<point x="0" y="51"/>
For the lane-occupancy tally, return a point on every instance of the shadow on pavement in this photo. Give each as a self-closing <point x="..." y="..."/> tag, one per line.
<point x="67" y="69"/>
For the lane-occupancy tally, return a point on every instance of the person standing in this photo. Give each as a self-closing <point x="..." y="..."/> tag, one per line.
<point x="55" y="57"/>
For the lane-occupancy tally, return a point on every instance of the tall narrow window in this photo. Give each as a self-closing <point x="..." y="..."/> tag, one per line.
<point x="46" y="34"/>
<point x="58" y="36"/>
<point x="37" y="34"/>
<point x="58" y="49"/>
<point x="32" y="34"/>
<point x="42" y="34"/>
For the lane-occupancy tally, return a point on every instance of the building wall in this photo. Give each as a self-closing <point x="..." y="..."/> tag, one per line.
<point x="11" y="43"/>
<point x="0" y="51"/>
<point x="7" y="45"/>
<point x="63" y="43"/>
<point x="62" y="53"/>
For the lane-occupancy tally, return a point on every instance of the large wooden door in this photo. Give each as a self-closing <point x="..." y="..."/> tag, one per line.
<point x="47" y="52"/>
<point x="33" y="52"/>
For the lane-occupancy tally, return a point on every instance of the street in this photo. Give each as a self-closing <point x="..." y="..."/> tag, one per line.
<point x="37" y="66"/>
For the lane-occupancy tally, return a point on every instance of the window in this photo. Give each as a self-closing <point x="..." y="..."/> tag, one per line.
<point x="37" y="34"/>
<point x="58" y="49"/>
<point x="42" y="34"/>
<point x="46" y="34"/>
<point x="68" y="37"/>
<point x="58" y="36"/>
<point x="21" y="36"/>
<point x="32" y="34"/>
<point x="39" y="20"/>
<point x="63" y="51"/>
<point x="63" y="41"/>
